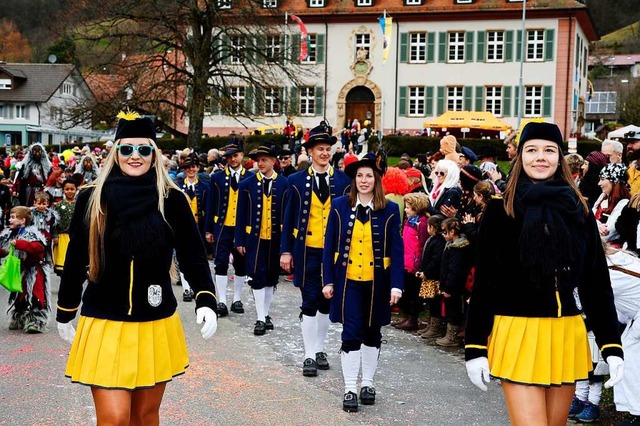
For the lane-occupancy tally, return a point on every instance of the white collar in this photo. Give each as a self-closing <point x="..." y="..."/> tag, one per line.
<point x="369" y="204"/>
<point x="315" y="172"/>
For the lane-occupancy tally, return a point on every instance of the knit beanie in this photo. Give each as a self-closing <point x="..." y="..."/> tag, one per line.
<point x="597" y="158"/>
<point x="614" y="172"/>
<point x="545" y="131"/>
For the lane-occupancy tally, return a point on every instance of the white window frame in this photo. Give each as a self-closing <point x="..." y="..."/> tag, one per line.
<point x="272" y="102"/>
<point x="464" y="1"/>
<point x="362" y="40"/>
<point x="364" y="3"/>
<point x="495" y="46"/>
<point x="316" y="3"/>
<point x="418" y="48"/>
<point x="416" y="101"/>
<point x="413" y="2"/>
<point x="533" y="101"/>
<point x="67" y="88"/>
<point x="455" y="98"/>
<point x="237" y="45"/>
<point x="493" y="100"/>
<point x="307" y="101"/>
<point x="535" y="45"/>
<point x="602" y="103"/>
<point x="238" y="98"/>
<point x="269" y="4"/>
<point x="20" y="112"/>
<point x="5" y="84"/>
<point x="312" y="49"/>
<point x="455" y="47"/>
<point x="272" y="48"/>
<point x="224" y="4"/>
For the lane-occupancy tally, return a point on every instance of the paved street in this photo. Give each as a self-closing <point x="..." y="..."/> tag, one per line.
<point x="238" y="378"/>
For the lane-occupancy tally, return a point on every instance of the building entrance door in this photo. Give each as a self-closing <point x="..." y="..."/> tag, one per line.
<point x="360" y="105"/>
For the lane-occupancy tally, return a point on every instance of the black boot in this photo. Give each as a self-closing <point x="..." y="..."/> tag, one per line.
<point x="367" y="395"/>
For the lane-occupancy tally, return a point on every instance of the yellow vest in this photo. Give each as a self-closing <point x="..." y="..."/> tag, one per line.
<point x="360" y="266"/>
<point x="232" y="207"/>
<point x="265" y="224"/>
<point x="634" y="178"/>
<point x="318" y="217"/>
<point x="193" y="202"/>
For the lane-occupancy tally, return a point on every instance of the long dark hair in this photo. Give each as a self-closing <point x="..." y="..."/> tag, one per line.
<point x="379" y="201"/>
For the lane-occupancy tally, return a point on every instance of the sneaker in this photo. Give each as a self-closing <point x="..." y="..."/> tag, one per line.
<point x="187" y="295"/>
<point x="267" y="323"/>
<point x="309" y="368"/>
<point x="259" y="329"/>
<point x="577" y="405"/>
<point x="222" y="310"/>
<point x="368" y="395"/>
<point x="350" y="402"/>
<point x="237" y="307"/>
<point x="321" y="360"/>
<point x="288" y="278"/>
<point x="589" y="414"/>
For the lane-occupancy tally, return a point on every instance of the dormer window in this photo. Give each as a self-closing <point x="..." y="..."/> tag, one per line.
<point x="464" y="1"/>
<point x="317" y="3"/>
<point x="224" y="4"/>
<point x="413" y="2"/>
<point x="5" y="84"/>
<point x="364" y="3"/>
<point x="269" y="4"/>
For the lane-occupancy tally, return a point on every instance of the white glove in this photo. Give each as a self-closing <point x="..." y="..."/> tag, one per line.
<point x="616" y="371"/>
<point x="210" y="322"/>
<point x="478" y="372"/>
<point x="66" y="332"/>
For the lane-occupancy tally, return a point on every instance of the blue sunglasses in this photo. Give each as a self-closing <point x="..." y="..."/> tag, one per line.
<point x="127" y="150"/>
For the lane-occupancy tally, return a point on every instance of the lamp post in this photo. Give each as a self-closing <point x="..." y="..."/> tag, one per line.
<point x="522" y="55"/>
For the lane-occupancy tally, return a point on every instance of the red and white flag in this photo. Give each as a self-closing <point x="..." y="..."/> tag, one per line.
<point x="304" y="42"/>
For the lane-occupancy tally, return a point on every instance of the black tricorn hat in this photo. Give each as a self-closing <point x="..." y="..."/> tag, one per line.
<point x="269" y="150"/>
<point x="320" y="134"/>
<point x="378" y="162"/>
<point x="234" y="146"/>
<point x="190" y="160"/>
<point x="132" y="125"/>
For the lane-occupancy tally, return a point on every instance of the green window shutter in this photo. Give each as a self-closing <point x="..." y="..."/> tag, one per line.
<point x="292" y="106"/>
<point x="506" y="101"/>
<point x="402" y="101"/>
<point x="442" y="47"/>
<point x="546" y="100"/>
<point x="508" y="46"/>
<point x="404" y="47"/>
<point x="468" y="48"/>
<point x="549" y="42"/>
<point x="319" y="100"/>
<point x="468" y="98"/>
<point x="215" y="102"/>
<point x="224" y="49"/>
<point x="428" y="101"/>
<point x="282" y="55"/>
<point x="281" y="100"/>
<point x="519" y="46"/>
<point x="480" y="48"/>
<point x="431" y="46"/>
<point x="320" y="48"/>
<point x="479" y="98"/>
<point x="295" y="48"/>
<point x="250" y="98"/>
<point x="516" y="101"/>
<point x="440" y="100"/>
<point x="258" y="47"/>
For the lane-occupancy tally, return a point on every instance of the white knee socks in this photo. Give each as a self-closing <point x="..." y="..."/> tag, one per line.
<point x="595" y="392"/>
<point x="309" y="327"/>
<point x="185" y="283"/>
<point x="268" y="297"/>
<point x="350" y="369"/>
<point x="582" y="390"/>
<point x="258" y="297"/>
<point x="221" y="288"/>
<point x="370" y="355"/>
<point x="323" y="326"/>
<point x="238" y="282"/>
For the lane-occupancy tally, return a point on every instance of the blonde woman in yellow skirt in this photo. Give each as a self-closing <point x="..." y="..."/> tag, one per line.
<point x="538" y="245"/>
<point x="130" y="340"/>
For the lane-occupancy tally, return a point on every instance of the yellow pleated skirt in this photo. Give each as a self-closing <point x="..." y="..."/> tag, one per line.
<point x="127" y="355"/>
<point x="539" y="351"/>
<point x="60" y="251"/>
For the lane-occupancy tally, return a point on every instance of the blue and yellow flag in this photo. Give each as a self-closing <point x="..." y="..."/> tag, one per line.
<point x="387" y="28"/>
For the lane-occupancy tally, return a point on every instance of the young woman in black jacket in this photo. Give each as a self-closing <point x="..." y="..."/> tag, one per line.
<point x="536" y="246"/>
<point x="130" y="340"/>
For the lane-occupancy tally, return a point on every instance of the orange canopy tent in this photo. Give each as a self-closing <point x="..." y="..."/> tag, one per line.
<point x="482" y="120"/>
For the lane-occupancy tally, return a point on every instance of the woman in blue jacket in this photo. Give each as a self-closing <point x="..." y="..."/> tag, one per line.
<point x="363" y="273"/>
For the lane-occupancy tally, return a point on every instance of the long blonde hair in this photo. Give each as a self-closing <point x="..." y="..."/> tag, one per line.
<point x="96" y="214"/>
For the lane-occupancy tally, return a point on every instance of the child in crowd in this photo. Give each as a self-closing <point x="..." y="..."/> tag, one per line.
<point x="430" y="270"/>
<point x="29" y="308"/>
<point x="456" y="262"/>
<point x="414" y="235"/>
<point x="54" y="186"/>
<point x="44" y="219"/>
<point x="64" y="211"/>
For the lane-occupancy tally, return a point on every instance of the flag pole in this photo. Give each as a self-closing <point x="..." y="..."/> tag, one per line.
<point x="381" y="132"/>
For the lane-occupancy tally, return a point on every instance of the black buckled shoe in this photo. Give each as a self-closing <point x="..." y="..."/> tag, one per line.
<point x="259" y="328"/>
<point x="222" y="310"/>
<point x="321" y="360"/>
<point x="368" y="395"/>
<point x="268" y="323"/>
<point x="309" y="368"/>
<point x="350" y="402"/>
<point x="187" y="295"/>
<point x="237" y="307"/>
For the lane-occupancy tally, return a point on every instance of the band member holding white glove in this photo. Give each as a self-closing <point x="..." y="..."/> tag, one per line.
<point x="523" y="325"/>
<point x="130" y="340"/>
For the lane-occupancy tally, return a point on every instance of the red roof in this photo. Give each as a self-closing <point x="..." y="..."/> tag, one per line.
<point x="623" y="60"/>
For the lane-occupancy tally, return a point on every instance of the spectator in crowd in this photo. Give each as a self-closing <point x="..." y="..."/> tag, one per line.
<point x="575" y="162"/>
<point x="445" y="197"/>
<point x="591" y="168"/>
<point x="609" y="205"/>
<point x="628" y="225"/>
<point x="632" y="140"/>
<point x="613" y="150"/>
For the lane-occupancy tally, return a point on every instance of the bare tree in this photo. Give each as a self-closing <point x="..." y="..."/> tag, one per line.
<point x="175" y="58"/>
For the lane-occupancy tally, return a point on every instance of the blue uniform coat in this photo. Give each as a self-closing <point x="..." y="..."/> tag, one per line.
<point x="202" y="194"/>
<point x="296" y="218"/>
<point x="388" y="257"/>
<point x="249" y="217"/>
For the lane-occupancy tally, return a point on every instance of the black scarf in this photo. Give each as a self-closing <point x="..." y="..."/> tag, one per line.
<point x="135" y="227"/>
<point x="550" y="211"/>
